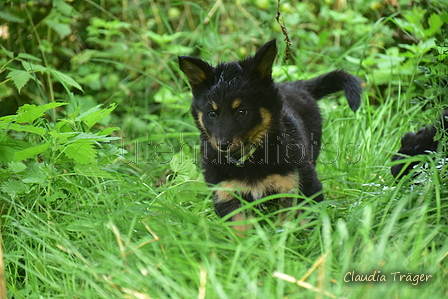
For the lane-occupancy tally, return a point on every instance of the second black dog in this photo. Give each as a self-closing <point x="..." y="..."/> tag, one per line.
<point x="420" y="143"/>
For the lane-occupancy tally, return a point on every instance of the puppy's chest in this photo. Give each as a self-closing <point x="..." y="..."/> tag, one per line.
<point x="254" y="190"/>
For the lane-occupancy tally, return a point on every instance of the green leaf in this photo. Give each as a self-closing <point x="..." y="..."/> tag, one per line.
<point x="62" y="29"/>
<point x="176" y="48"/>
<point x="45" y="46"/>
<point x="13" y="187"/>
<point x="63" y="125"/>
<point x="16" y="167"/>
<point x="28" y="113"/>
<point x="29" y="57"/>
<point x="165" y="95"/>
<point x="31" y="152"/>
<point x="108" y="130"/>
<point x="83" y="115"/>
<point x="81" y="151"/>
<point x="435" y="23"/>
<point x="62" y="137"/>
<point x="9" y="147"/>
<point x="10" y="17"/>
<point x="55" y="196"/>
<point x="34" y="175"/>
<point x="23" y="128"/>
<point x="64" y="79"/>
<point x="93" y="115"/>
<point x="7" y="118"/>
<point x="164" y="38"/>
<point x="8" y="53"/>
<point x="31" y="67"/>
<point x="19" y="78"/>
<point x="64" y="8"/>
<point x="183" y="166"/>
<point x="444" y="16"/>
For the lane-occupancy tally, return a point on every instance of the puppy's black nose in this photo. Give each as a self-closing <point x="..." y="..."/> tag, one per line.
<point x="224" y="145"/>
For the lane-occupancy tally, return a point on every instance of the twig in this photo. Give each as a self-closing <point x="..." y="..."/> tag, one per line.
<point x="157" y="17"/>
<point x="439" y="263"/>
<point x="119" y="241"/>
<point x="314" y="266"/>
<point x="189" y="16"/>
<point x="202" y="283"/>
<point x="301" y="283"/>
<point x="212" y="12"/>
<point x="284" y="31"/>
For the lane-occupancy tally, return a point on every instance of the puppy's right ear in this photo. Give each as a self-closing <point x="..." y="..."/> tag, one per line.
<point x="264" y="59"/>
<point x="197" y="71"/>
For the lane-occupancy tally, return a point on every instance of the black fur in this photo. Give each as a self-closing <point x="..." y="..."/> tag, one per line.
<point x="420" y="143"/>
<point x="257" y="135"/>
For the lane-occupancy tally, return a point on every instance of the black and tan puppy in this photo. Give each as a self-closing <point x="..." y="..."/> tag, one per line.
<point x="420" y="143"/>
<point x="258" y="137"/>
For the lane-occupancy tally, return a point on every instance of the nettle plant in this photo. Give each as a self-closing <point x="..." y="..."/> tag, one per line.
<point x="35" y="151"/>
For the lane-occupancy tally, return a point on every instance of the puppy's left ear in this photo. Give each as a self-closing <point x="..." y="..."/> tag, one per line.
<point x="264" y="59"/>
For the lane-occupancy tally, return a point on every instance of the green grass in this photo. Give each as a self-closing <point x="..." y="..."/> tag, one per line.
<point x="123" y="230"/>
<point x="133" y="240"/>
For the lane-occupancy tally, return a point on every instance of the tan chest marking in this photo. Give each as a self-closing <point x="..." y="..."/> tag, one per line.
<point x="273" y="183"/>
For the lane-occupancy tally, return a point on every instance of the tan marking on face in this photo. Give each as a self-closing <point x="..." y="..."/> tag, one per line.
<point x="214" y="143"/>
<point x="234" y="146"/>
<point x="259" y="131"/>
<point x="201" y="123"/>
<point x="236" y="103"/>
<point x="214" y="106"/>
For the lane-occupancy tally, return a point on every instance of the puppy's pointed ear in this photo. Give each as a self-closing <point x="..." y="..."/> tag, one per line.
<point x="264" y="59"/>
<point x="197" y="71"/>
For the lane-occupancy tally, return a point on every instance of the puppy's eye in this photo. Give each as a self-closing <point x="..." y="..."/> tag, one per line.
<point x="241" y="113"/>
<point x="212" y="114"/>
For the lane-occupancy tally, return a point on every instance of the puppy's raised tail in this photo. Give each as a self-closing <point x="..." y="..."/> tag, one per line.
<point x="336" y="81"/>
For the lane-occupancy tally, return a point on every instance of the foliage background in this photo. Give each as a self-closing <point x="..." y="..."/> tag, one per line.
<point x="101" y="193"/>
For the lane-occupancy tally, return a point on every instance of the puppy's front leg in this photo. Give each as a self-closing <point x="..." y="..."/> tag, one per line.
<point x="225" y="203"/>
